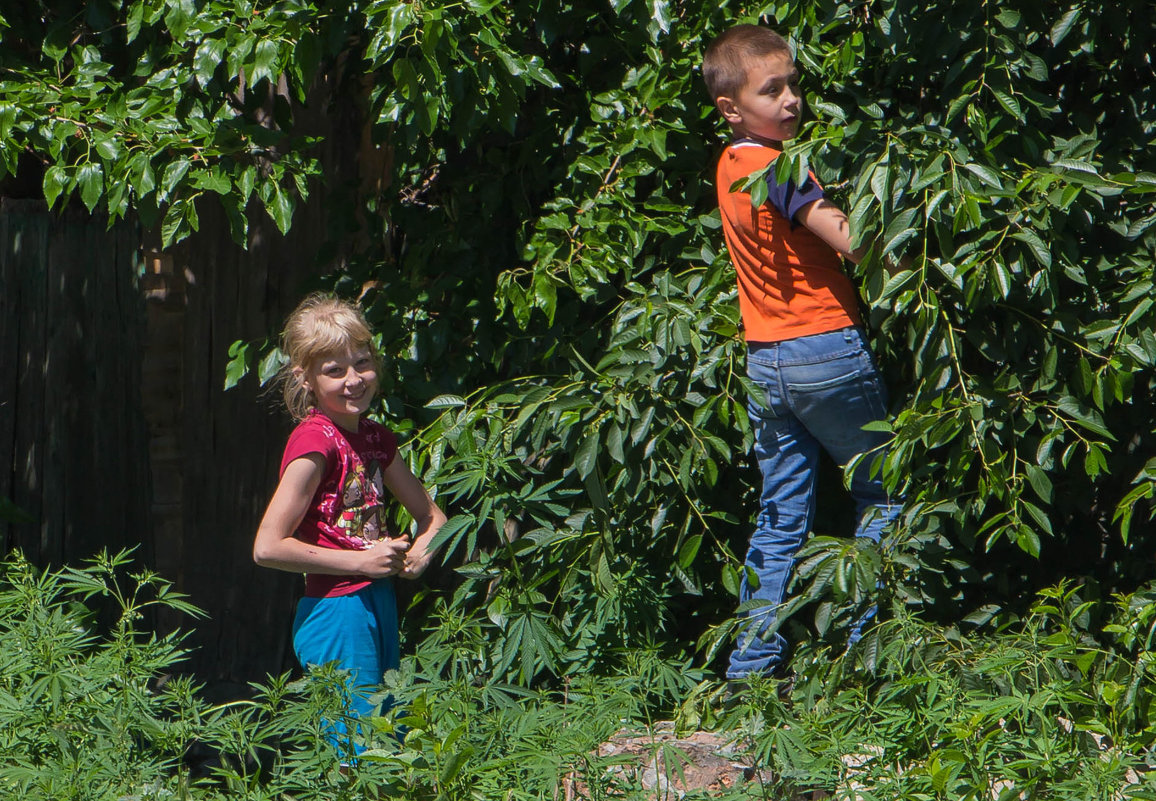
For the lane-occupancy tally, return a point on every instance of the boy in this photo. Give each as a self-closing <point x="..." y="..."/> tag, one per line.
<point x="805" y="344"/>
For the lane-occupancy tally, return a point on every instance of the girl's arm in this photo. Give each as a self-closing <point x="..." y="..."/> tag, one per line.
<point x="406" y="487"/>
<point x="275" y="546"/>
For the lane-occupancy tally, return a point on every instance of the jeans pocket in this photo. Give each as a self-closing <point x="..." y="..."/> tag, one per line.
<point x="824" y="384"/>
<point x="821" y="377"/>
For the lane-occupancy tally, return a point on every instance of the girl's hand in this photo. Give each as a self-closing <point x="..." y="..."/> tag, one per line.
<point x="386" y="557"/>
<point x="416" y="561"/>
<point x="428" y="518"/>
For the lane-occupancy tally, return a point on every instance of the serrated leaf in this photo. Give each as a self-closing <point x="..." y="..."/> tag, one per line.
<point x="446" y="402"/>
<point x="1037" y="246"/>
<point x="1063" y="25"/>
<point x="207" y="59"/>
<point x="280" y="207"/>
<point x="985" y="174"/>
<point x="264" y="62"/>
<point x="1076" y="165"/>
<point x="270" y="365"/>
<point x="587" y="455"/>
<point x="173" y="175"/>
<point x="1010" y="104"/>
<point x="660" y="13"/>
<point x="90" y="179"/>
<point x="1040" y="483"/>
<point x="55" y="182"/>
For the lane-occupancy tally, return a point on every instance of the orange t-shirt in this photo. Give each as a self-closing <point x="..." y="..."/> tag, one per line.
<point x="791" y="282"/>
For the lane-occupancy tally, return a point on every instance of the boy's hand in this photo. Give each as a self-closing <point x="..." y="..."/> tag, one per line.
<point x="386" y="558"/>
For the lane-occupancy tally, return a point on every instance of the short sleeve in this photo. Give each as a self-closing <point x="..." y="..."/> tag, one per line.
<point x="309" y="439"/>
<point x="788" y="199"/>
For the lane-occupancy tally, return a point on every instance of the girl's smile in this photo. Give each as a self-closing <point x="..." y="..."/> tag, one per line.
<point x="343" y="385"/>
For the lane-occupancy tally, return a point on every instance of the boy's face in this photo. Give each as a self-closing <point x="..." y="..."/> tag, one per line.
<point x="769" y="104"/>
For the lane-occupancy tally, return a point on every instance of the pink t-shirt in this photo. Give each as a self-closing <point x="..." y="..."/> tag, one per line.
<point x="346" y="512"/>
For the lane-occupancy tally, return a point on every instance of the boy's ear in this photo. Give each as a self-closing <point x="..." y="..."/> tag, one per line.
<point x="726" y="106"/>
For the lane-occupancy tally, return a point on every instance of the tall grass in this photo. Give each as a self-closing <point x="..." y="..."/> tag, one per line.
<point x="1056" y="705"/>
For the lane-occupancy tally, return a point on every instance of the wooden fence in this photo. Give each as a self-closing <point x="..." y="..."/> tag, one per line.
<point x="71" y="430"/>
<point x="115" y="428"/>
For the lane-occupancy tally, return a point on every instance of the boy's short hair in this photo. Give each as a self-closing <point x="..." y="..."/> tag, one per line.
<point x="724" y="66"/>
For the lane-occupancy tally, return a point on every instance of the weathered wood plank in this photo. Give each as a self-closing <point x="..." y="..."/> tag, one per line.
<point x="74" y="439"/>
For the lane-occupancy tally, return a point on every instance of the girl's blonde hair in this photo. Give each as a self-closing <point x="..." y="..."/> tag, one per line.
<point x="320" y="325"/>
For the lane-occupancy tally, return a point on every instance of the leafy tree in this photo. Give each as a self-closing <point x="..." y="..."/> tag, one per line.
<point x="550" y="284"/>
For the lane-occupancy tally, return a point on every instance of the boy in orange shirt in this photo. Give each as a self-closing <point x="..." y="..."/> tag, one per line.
<point x="805" y="344"/>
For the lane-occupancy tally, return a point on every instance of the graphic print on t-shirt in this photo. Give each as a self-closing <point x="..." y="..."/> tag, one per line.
<point x="361" y="519"/>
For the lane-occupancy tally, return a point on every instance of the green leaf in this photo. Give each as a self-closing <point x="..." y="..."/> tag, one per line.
<point x="270" y="365"/>
<point x="446" y="402"/>
<point x="264" y="62"/>
<point x="279" y="204"/>
<point x="985" y="174"/>
<point x="55" y="181"/>
<point x="1002" y="278"/>
<point x="398" y="17"/>
<point x="1076" y="165"/>
<point x="1010" y="104"/>
<point x="207" y="59"/>
<point x="90" y="180"/>
<point x="107" y="147"/>
<point x="587" y="455"/>
<point x="730" y="580"/>
<point x="175" y="225"/>
<point x="688" y="551"/>
<point x="1063" y="25"/>
<point x="134" y="20"/>
<point x="173" y="174"/>
<point x="660" y="13"/>
<point x="1037" y="246"/>
<point x="1041" y="484"/>
<point x="614" y="443"/>
<point x="237" y="366"/>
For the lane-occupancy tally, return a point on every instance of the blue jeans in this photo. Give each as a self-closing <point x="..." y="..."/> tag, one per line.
<point x="820" y="391"/>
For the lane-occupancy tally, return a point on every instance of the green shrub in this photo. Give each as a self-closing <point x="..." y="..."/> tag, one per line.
<point x="1057" y="705"/>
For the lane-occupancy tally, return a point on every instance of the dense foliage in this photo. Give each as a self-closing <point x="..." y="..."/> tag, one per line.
<point x="1057" y="709"/>
<point x="551" y="289"/>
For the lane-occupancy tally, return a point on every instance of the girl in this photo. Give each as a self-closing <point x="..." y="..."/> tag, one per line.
<point x="326" y="517"/>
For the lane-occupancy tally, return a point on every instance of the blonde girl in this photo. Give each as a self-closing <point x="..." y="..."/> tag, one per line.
<point x="326" y="518"/>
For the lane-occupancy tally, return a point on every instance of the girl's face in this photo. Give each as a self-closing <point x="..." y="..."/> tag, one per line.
<point x="343" y="384"/>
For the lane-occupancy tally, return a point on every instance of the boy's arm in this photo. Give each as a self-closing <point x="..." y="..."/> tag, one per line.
<point x="828" y="222"/>
<point x="406" y="487"/>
